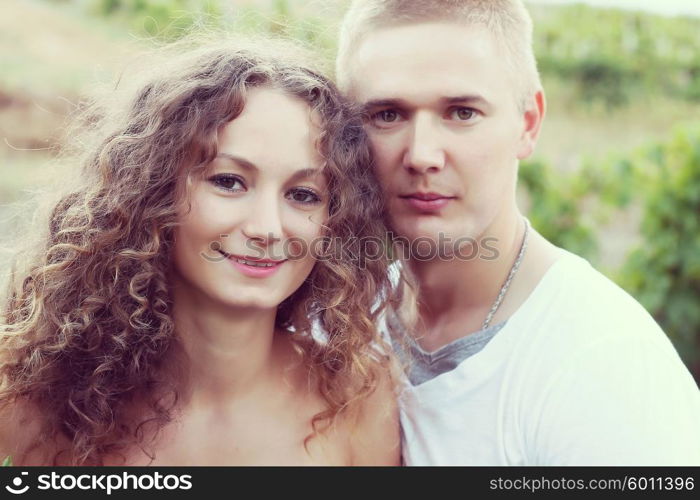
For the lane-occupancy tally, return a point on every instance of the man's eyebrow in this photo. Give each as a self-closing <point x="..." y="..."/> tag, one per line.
<point x="383" y="103"/>
<point x="400" y="103"/>
<point x="302" y="173"/>
<point x="465" y="99"/>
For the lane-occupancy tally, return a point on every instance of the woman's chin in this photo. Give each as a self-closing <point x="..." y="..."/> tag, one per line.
<point x="251" y="303"/>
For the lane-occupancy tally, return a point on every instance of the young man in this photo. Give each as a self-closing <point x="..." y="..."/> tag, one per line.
<point x="523" y="355"/>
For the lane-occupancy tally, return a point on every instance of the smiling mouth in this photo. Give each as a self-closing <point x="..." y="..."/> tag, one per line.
<point x="253" y="262"/>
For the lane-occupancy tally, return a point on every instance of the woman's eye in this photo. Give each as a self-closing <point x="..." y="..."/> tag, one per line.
<point x="227" y="182"/>
<point x="462" y="113"/>
<point x="305" y="196"/>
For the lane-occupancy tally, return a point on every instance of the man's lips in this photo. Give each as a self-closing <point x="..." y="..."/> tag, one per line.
<point x="427" y="202"/>
<point x="426" y="196"/>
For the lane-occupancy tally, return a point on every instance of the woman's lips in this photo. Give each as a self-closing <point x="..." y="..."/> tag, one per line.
<point x="427" y="202"/>
<point x="254" y="267"/>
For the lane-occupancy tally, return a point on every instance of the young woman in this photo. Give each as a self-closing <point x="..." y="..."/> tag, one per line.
<point x="201" y="297"/>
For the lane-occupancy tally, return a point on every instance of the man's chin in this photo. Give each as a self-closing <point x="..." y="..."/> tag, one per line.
<point x="428" y="245"/>
<point x="411" y="230"/>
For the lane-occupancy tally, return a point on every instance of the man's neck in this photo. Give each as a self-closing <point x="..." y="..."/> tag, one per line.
<point x="455" y="296"/>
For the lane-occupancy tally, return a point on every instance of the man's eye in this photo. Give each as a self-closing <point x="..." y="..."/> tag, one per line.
<point x="462" y="114"/>
<point x="387" y="116"/>
<point x="227" y="182"/>
<point x="305" y="196"/>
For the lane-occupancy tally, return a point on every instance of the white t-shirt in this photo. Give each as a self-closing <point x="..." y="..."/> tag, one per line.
<point x="579" y="375"/>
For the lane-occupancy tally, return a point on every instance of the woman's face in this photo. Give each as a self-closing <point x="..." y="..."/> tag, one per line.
<point x="256" y="214"/>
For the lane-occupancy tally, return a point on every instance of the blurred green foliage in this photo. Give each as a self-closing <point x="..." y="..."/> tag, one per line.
<point x="610" y="56"/>
<point x="614" y="56"/>
<point x="172" y="19"/>
<point x="566" y="208"/>
<point x="664" y="272"/>
<point x="555" y="211"/>
<point x="166" y="19"/>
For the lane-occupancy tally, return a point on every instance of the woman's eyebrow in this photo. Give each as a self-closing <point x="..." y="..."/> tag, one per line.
<point x="242" y="162"/>
<point x="302" y="173"/>
<point x="305" y="173"/>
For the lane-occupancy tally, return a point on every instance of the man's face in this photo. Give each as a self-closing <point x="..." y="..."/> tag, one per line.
<point x="445" y="127"/>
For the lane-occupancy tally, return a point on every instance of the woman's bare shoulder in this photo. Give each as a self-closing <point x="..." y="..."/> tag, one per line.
<point x="20" y="435"/>
<point x="376" y="438"/>
<point x="366" y="433"/>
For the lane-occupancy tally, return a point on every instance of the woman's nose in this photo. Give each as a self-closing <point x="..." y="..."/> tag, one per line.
<point x="264" y="224"/>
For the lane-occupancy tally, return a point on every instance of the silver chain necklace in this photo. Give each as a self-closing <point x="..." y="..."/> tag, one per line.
<point x="506" y="285"/>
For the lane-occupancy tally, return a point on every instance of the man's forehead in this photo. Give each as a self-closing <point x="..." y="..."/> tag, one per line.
<point x="425" y="33"/>
<point x="407" y="86"/>
<point x="441" y="59"/>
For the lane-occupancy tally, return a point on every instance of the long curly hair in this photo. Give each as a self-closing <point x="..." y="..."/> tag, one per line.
<point x="87" y="332"/>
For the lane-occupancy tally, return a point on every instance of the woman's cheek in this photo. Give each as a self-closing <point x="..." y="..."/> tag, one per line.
<point x="307" y="224"/>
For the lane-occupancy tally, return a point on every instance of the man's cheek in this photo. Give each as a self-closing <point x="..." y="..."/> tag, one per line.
<point x="384" y="148"/>
<point x="385" y="165"/>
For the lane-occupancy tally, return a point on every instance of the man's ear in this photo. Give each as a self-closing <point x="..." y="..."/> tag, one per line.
<point x="532" y="119"/>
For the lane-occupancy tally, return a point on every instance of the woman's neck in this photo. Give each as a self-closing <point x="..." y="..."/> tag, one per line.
<point x="231" y="353"/>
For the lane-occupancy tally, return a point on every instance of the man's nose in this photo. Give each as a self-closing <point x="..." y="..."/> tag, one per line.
<point x="264" y="223"/>
<point x="425" y="152"/>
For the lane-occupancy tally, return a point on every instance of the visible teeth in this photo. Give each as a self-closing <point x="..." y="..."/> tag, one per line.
<point x="255" y="264"/>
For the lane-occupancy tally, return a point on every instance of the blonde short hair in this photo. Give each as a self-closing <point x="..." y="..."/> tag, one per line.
<point x="508" y="21"/>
